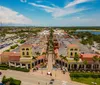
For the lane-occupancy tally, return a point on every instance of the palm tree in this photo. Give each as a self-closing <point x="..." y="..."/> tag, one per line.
<point x="63" y="57"/>
<point x="85" y="63"/>
<point x="95" y="59"/>
<point x="33" y="57"/>
<point x="44" y="53"/>
<point x="76" y="57"/>
<point x="37" y="53"/>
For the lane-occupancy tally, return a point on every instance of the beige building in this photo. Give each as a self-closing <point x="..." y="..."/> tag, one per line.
<point x="23" y="59"/>
<point x="72" y="50"/>
<point x="26" y="54"/>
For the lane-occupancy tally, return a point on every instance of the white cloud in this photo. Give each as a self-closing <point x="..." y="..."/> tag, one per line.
<point x="9" y="16"/>
<point x="75" y="2"/>
<point x="39" y="1"/>
<point x="23" y="1"/>
<point x="57" y="11"/>
<point x="68" y="9"/>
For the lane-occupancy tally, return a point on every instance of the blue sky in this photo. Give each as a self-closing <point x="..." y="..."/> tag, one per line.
<point x="50" y="12"/>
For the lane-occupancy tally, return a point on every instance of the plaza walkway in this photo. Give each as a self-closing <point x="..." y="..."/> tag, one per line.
<point x="32" y="78"/>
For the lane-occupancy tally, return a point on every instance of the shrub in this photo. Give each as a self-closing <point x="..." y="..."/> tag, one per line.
<point x="4" y="67"/>
<point x="84" y="75"/>
<point x="14" y="46"/>
<point x="19" y="69"/>
<point x="7" y="50"/>
<point x="11" y="81"/>
<point x="22" y="41"/>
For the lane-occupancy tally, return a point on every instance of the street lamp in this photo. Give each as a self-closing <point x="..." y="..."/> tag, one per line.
<point x="55" y="73"/>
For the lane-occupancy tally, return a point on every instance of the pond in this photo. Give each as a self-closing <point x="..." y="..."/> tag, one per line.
<point x="91" y="31"/>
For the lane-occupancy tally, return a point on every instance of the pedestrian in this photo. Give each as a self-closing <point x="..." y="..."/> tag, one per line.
<point x="38" y="83"/>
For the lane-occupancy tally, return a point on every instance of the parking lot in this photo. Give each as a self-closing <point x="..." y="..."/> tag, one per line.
<point x="64" y="42"/>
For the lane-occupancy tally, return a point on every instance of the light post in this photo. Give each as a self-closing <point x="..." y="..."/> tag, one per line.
<point x="41" y="71"/>
<point x="55" y="73"/>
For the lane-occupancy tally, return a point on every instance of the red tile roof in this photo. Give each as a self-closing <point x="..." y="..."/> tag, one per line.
<point x="40" y="57"/>
<point x="88" y="55"/>
<point x="72" y="45"/>
<point x="12" y="56"/>
<point x="26" y="45"/>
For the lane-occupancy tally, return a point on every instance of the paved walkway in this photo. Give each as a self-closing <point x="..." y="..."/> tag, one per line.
<point x="56" y="74"/>
<point x="32" y="78"/>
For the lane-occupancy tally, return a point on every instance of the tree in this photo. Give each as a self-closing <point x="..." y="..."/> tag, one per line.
<point x="85" y="63"/>
<point x="37" y="53"/>
<point x="95" y="58"/>
<point x="76" y="57"/>
<point x="44" y="53"/>
<point x="99" y="46"/>
<point x="33" y="57"/>
<point x="3" y="79"/>
<point x="63" y="57"/>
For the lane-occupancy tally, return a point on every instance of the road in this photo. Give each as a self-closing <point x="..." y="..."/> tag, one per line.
<point x="50" y="62"/>
<point x="33" y="79"/>
<point x="29" y="78"/>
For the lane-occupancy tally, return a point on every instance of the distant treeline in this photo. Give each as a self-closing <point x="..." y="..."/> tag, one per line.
<point x="80" y="28"/>
<point x="35" y="28"/>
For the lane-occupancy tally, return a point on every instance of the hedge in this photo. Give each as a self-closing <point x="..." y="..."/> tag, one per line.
<point x="19" y="69"/>
<point x="3" y="67"/>
<point x="84" y="75"/>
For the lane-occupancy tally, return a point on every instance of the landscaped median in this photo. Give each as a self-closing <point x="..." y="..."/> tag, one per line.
<point x="89" y="78"/>
<point x="6" y="67"/>
<point x="14" y="46"/>
<point x="21" y="41"/>
<point x="11" y="48"/>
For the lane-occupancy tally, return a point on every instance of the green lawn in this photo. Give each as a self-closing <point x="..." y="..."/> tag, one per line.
<point x="87" y="80"/>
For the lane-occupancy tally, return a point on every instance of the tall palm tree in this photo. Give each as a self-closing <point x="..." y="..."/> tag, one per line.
<point x="63" y="57"/>
<point x="33" y="57"/>
<point x="85" y="63"/>
<point x="76" y="57"/>
<point x="37" y="53"/>
<point x="95" y="59"/>
<point x="44" y="53"/>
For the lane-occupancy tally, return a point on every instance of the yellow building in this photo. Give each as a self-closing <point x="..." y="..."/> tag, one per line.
<point x="72" y="50"/>
<point x="26" y="54"/>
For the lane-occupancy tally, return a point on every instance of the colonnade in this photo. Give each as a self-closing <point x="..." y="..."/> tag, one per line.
<point x="79" y="66"/>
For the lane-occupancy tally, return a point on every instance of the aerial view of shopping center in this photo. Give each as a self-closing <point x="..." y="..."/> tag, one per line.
<point x="49" y="42"/>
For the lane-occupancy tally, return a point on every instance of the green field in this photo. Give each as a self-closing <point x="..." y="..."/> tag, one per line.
<point x="87" y="80"/>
